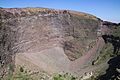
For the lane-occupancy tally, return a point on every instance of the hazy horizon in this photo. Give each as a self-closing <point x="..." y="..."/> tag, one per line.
<point x="104" y="9"/>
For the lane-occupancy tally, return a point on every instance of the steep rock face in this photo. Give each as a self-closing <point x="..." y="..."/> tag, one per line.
<point x="31" y="30"/>
<point x="7" y="39"/>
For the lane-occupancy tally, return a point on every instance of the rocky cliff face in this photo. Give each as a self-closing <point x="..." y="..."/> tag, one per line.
<point x="31" y="30"/>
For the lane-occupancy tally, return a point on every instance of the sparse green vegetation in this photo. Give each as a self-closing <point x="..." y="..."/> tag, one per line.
<point x="21" y="69"/>
<point x="105" y="54"/>
<point x="63" y="77"/>
<point x="107" y="51"/>
<point x="116" y="31"/>
<point x="20" y="75"/>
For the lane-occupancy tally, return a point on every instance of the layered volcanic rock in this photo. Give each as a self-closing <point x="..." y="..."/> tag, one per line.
<point x="50" y="39"/>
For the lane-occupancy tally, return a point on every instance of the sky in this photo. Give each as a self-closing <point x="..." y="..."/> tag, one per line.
<point x="105" y="9"/>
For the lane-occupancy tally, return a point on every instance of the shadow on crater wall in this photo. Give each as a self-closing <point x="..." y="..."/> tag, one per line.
<point x="115" y="41"/>
<point x="113" y="71"/>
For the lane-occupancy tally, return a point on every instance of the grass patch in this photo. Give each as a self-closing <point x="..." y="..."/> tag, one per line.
<point x="20" y="74"/>
<point x="64" y="77"/>
<point x="105" y="54"/>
